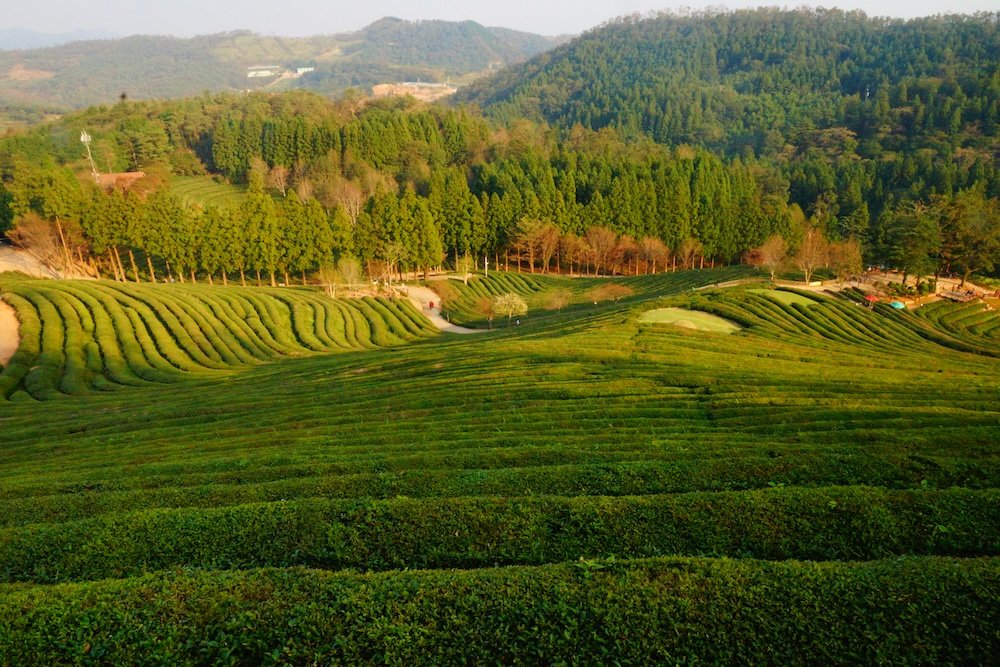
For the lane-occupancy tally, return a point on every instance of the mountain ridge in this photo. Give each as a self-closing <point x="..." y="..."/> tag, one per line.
<point x="82" y="73"/>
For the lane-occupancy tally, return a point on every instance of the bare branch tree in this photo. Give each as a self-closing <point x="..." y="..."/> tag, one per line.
<point x="813" y="252"/>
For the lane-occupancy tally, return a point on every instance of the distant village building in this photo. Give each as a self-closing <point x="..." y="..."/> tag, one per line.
<point x="263" y="71"/>
<point x="299" y="71"/>
<point x="426" y="92"/>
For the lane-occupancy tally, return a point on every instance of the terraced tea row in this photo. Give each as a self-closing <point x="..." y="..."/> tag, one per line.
<point x="454" y="476"/>
<point x="825" y="523"/>
<point x="563" y="451"/>
<point x="928" y="610"/>
<point x="204" y="191"/>
<point x="469" y="303"/>
<point x="81" y="337"/>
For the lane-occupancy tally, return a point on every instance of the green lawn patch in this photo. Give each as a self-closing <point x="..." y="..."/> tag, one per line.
<point x="689" y="319"/>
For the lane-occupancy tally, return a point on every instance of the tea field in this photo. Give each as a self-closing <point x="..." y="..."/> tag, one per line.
<point x="222" y="475"/>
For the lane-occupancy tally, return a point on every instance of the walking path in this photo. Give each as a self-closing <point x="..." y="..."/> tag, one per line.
<point x="9" y="338"/>
<point x="422" y="297"/>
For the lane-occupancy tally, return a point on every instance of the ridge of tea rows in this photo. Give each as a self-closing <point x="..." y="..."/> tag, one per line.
<point x="823" y="481"/>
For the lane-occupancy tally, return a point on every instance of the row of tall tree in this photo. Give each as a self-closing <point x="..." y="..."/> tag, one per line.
<point x="403" y="185"/>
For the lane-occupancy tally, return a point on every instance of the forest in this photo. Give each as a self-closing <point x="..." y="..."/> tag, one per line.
<point x="899" y="173"/>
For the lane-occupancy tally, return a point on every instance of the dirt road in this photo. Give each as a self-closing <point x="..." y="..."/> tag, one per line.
<point x="422" y="297"/>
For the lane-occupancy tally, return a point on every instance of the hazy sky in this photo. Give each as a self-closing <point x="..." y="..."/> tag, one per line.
<point x="310" y="17"/>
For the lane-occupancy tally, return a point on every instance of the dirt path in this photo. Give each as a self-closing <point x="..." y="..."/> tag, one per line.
<point x="12" y="259"/>
<point x="422" y="297"/>
<point x="16" y="260"/>
<point x="9" y="338"/>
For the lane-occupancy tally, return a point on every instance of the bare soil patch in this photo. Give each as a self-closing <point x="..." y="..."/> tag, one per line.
<point x="21" y="73"/>
<point x="10" y="337"/>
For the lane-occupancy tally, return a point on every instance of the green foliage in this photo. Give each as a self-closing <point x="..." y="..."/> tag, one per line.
<point x="628" y="613"/>
<point x="845" y="523"/>
<point x="853" y="111"/>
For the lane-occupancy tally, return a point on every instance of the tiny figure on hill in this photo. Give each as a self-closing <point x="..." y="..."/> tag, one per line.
<point x="509" y="305"/>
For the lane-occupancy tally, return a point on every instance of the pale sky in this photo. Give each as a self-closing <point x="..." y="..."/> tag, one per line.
<point x="311" y="17"/>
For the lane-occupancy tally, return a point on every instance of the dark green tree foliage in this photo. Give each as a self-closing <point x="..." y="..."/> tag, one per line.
<point x="871" y="109"/>
<point x="6" y="214"/>
<point x="142" y="141"/>
<point x="263" y="233"/>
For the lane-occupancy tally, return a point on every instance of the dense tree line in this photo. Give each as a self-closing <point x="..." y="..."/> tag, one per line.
<point x="862" y="112"/>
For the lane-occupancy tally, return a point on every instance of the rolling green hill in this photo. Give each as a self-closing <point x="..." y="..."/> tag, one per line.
<point x="96" y="72"/>
<point x="822" y="482"/>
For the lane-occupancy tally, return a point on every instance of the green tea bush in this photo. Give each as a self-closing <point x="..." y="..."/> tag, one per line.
<point x="829" y="523"/>
<point x="594" y="611"/>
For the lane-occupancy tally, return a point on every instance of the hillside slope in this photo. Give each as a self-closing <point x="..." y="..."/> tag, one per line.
<point x="142" y="66"/>
<point x="821" y="486"/>
<point x="766" y="78"/>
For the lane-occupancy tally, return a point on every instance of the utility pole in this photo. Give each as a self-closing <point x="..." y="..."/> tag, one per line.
<point x="85" y="139"/>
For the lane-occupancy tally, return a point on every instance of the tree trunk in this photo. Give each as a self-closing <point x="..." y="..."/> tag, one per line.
<point x="135" y="269"/>
<point x="304" y="283"/>
<point x="152" y="273"/>
<point x="288" y="280"/>
<point x="674" y="269"/>
<point x="193" y="279"/>
<point x="259" y="282"/>
<point x="274" y="283"/>
<point x="211" y="281"/>
<point x="62" y="237"/>
<point x="117" y="261"/>
<point x="111" y="261"/>
<point x="225" y="279"/>
<point x="702" y="266"/>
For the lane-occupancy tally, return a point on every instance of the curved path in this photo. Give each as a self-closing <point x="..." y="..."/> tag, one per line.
<point x="422" y="298"/>
<point x="9" y="338"/>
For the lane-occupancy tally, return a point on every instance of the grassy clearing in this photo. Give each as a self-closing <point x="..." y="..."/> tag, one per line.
<point x="206" y="191"/>
<point x="689" y="319"/>
<point x="270" y="475"/>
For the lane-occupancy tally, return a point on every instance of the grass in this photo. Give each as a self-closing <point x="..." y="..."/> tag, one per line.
<point x="244" y="473"/>
<point x="689" y="319"/>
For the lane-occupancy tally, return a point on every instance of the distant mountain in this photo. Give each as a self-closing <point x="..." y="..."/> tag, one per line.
<point x="90" y="72"/>
<point x="20" y="38"/>
<point x="763" y="80"/>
